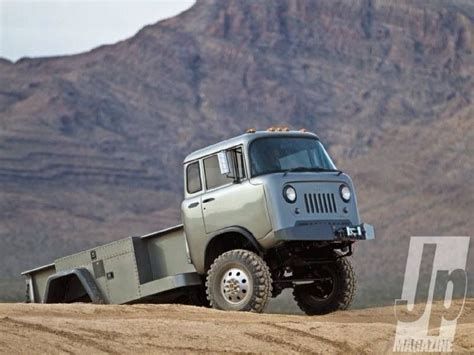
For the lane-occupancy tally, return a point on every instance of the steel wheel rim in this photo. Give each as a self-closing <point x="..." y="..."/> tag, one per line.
<point x="235" y="286"/>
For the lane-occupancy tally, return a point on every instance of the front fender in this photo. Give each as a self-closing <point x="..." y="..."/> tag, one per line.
<point x="201" y="264"/>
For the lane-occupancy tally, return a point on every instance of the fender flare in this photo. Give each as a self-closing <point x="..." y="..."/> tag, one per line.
<point x="235" y="229"/>
<point x="84" y="277"/>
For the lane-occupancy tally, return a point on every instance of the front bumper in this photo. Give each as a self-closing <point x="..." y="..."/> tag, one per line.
<point x="326" y="231"/>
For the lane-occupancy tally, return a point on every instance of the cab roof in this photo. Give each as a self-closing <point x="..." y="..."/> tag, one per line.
<point x="243" y="139"/>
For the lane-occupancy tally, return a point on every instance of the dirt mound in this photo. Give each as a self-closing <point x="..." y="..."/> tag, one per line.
<point x="82" y="328"/>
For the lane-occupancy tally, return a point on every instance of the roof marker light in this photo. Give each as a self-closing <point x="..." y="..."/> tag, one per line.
<point x="278" y="129"/>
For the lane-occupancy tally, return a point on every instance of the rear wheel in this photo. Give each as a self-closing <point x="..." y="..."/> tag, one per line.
<point x="333" y="291"/>
<point x="239" y="280"/>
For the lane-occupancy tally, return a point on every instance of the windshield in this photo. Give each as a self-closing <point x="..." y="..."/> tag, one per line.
<point x="279" y="154"/>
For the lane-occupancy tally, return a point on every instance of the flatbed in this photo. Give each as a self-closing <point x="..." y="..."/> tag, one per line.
<point x="133" y="269"/>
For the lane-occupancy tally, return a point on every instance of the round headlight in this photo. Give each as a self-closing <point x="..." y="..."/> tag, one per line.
<point x="345" y="193"/>
<point x="289" y="193"/>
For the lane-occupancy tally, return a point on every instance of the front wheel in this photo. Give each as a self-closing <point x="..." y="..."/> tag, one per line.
<point x="333" y="291"/>
<point x="239" y="280"/>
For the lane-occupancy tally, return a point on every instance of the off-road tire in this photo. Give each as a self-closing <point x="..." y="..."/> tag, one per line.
<point x="341" y="299"/>
<point x="256" y="269"/>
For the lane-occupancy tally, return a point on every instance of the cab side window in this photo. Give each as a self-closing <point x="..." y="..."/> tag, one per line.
<point x="236" y="163"/>
<point x="193" y="178"/>
<point x="214" y="178"/>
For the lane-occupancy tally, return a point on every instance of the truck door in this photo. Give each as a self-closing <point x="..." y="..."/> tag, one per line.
<point x="228" y="203"/>
<point x="191" y="211"/>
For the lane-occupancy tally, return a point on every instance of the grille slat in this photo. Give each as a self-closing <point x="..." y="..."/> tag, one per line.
<point x="320" y="203"/>
<point x="328" y="198"/>
<point x="316" y="203"/>
<point x="333" y="203"/>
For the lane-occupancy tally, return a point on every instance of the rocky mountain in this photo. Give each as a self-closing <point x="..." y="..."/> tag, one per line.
<point x="91" y="145"/>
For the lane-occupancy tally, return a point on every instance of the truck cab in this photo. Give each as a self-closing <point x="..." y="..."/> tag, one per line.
<point x="274" y="193"/>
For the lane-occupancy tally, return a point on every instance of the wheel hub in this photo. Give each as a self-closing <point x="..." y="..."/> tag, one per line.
<point x="323" y="289"/>
<point x="235" y="285"/>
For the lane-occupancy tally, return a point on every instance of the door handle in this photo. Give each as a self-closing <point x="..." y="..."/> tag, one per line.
<point x="194" y="204"/>
<point x="208" y="200"/>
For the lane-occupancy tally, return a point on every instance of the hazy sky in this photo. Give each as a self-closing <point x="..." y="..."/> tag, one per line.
<point x="34" y="28"/>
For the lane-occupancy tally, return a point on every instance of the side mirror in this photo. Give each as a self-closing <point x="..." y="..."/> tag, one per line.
<point x="223" y="163"/>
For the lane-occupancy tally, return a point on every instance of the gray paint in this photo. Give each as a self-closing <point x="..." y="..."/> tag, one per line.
<point x="134" y="268"/>
<point x="257" y="204"/>
<point x="37" y="284"/>
<point x="245" y="140"/>
<point x="84" y="277"/>
<point x="126" y="270"/>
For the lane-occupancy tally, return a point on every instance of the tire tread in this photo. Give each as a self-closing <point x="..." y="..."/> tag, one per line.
<point x="259" y="269"/>
<point x="345" y="293"/>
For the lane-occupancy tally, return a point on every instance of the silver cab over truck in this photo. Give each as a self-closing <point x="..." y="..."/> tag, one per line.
<point x="262" y="212"/>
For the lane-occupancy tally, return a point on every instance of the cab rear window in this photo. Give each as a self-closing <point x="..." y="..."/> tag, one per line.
<point x="193" y="178"/>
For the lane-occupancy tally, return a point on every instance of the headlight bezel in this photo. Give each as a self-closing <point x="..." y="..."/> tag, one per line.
<point x="286" y="196"/>
<point x="344" y="190"/>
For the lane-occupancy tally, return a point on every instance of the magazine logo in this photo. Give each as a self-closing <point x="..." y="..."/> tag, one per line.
<point x="418" y="329"/>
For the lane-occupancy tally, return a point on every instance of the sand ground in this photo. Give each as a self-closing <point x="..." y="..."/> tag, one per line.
<point x="92" y="329"/>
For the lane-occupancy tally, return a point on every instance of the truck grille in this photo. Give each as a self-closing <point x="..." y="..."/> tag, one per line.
<point x="320" y="203"/>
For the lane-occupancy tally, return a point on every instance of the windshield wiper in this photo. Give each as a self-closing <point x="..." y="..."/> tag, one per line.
<point x="315" y="169"/>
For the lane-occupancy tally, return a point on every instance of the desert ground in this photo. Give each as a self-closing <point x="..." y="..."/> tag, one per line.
<point x="85" y="328"/>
